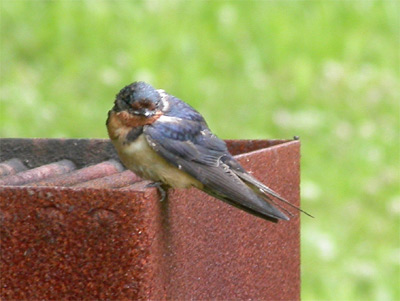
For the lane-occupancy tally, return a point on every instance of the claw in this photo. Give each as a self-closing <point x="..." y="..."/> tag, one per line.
<point x="161" y="189"/>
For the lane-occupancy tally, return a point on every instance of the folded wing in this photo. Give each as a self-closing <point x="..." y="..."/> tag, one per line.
<point x="189" y="145"/>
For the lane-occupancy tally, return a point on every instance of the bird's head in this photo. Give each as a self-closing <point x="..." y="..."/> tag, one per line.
<point x="139" y="99"/>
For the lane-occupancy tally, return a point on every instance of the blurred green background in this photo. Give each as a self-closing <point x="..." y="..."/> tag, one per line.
<point x="327" y="71"/>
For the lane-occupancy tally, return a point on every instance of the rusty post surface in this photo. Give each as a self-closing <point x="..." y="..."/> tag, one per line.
<point x="78" y="244"/>
<point x="102" y="243"/>
<point x="11" y="167"/>
<point x="37" y="152"/>
<point x="118" y="180"/>
<point x="83" y="175"/>
<point x="45" y="171"/>
<point x="218" y="252"/>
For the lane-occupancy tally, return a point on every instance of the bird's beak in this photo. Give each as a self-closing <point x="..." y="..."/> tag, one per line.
<point x="146" y="113"/>
<point x="143" y="112"/>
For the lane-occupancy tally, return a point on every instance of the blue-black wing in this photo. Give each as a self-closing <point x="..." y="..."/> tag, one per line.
<point x="184" y="139"/>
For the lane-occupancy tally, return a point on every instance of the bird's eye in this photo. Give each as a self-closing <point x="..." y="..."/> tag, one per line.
<point x="148" y="105"/>
<point x="135" y="106"/>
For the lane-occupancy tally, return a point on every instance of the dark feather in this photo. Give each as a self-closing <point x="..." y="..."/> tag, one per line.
<point x="219" y="180"/>
<point x="187" y="143"/>
<point x="133" y="134"/>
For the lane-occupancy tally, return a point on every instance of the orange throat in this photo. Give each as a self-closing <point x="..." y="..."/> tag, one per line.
<point x="120" y="123"/>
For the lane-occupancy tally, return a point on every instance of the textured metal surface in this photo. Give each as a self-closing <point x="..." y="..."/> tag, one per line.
<point x="83" y="175"/>
<point x="59" y="243"/>
<point x="39" y="173"/>
<point x="37" y="152"/>
<point x="118" y="180"/>
<point x="237" y="147"/>
<point x="11" y="167"/>
<point x="218" y="252"/>
<point x="117" y="241"/>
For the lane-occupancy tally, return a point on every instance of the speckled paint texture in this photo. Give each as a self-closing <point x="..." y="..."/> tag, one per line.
<point x="97" y="242"/>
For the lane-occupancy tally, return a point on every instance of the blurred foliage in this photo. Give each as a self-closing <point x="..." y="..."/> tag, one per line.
<point x="327" y="71"/>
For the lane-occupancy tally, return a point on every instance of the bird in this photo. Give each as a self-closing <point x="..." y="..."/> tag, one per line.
<point x="164" y="140"/>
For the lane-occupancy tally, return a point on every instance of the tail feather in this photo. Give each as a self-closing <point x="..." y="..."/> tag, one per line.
<point x="267" y="216"/>
<point x="268" y="192"/>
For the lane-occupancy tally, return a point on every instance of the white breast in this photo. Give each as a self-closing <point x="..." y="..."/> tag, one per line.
<point x="139" y="147"/>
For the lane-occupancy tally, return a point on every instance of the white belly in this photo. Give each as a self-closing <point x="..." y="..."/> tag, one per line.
<point x="139" y="157"/>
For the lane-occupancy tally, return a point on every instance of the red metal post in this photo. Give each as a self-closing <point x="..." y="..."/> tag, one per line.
<point x="123" y="243"/>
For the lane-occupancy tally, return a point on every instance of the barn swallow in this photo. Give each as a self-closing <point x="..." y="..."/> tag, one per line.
<point x="163" y="139"/>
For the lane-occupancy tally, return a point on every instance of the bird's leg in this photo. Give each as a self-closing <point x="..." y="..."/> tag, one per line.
<point x="161" y="187"/>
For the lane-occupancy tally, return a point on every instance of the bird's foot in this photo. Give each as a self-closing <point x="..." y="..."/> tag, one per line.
<point x="162" y="189"/>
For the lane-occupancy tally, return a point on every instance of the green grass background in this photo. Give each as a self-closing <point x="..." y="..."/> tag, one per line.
<point x="327" y="71"/>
